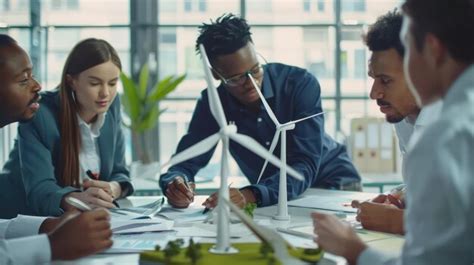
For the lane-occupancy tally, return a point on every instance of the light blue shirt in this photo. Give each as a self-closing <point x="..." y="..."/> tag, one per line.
<point x="20" y="242"/>
<point x="439" y="219"/>
<point x="409" y="131"/>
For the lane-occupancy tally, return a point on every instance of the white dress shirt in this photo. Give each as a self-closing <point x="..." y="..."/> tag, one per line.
<point x="439" y="219"/>
<point x="89" y="157"/>
<point x="26" y="247"/>
<point x="408" y="131"/>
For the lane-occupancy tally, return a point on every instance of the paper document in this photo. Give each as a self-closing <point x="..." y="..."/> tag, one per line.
<point x="120" y="226"/>
<point x="339" y="204"/>
<point x="142" y="242"/>
<point x="299" y="242"/>
<point x="145" y="211"/>
<point x="366" y="235"/>
<point x="191" y="214"/>
<point x="210" y="230"/>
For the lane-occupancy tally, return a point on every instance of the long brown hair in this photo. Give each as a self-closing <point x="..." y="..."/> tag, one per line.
<point x="86" y="54"/>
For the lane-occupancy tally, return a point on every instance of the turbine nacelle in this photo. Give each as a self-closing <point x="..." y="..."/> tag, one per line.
<point x="228" y="130"/>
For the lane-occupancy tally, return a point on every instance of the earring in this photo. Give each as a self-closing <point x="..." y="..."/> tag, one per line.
<point x="73" y="96"/>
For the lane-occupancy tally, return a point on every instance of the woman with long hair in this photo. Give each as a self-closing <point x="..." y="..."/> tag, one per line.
<point x="74" y="146"/>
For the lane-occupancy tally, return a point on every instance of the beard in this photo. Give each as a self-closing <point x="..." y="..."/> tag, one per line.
<point x="394" y="118"/>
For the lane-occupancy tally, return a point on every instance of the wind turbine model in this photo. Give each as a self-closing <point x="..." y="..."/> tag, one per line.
<point x="282" y="212"/>
<point x="227" y="132"/>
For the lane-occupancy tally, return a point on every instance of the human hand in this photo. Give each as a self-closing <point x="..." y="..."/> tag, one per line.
<point x="337" y="237"/>
<point x="238" y="197"/>
<point x="94" y="197"/>
<point x="80" y="234"/>
<point x="393" y="199"/>
<point x="111" y="187"/>
<point x="380" y="217"/>
<point x="179" y="193"/>
<point x="51" y="223"/>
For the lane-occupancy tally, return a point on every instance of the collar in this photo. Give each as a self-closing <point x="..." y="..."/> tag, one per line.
<point x="267" y="88"/>
<point x="95" y="126"/>
<point x="429" y="113"/>
<point x="463" y="82"/>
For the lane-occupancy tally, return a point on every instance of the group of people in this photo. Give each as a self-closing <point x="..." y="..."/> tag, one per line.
<point x="422" y="64"/>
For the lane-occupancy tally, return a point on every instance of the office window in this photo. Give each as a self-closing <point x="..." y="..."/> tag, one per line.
<point x="61" y="41"/>
<point x="307" y="5"/>
<point x="14" y="13"/>
<point x="195" y="5"/>
<point x="188" y="5"/>
<point x="318" y="55"/>
<point x="202" y="5"/>
<point x="85" y="12"/>
<point x="366" y="11"/>
<point x="288" y="12"/>
<point x="194" y="12"/>
<point x="5" y="5"/>
<point x="353" y="5"/>
<point x="321" y="5"/>
<point x="353" y="63"/>
<point x="313" y="4"/>
<point x="64" y="4"/>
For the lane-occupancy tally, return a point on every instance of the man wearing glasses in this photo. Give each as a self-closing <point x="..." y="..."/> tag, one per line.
<point x="291" y="92"/>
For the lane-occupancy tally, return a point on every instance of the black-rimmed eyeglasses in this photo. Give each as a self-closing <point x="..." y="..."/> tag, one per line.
<point x="239" y="80"/>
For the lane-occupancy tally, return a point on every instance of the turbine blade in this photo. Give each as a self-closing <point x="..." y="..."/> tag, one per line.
<point x="214" y="101"/>
<point x="264" y="101"/>
<point x="195" y="150"/>
<point x="259" y="150"/>
<point x="272" y="148"/>
<point x="305" y="118"/>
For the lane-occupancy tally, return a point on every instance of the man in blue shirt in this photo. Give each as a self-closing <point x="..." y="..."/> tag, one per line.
<point x="291" y="92"/>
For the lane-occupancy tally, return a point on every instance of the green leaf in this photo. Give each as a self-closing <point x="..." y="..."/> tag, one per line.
<point x="141" y="105"/>
<point x="143" y="81"/>
<point x="165" y="87"/>
<point x="162" y="84"/>
<point x="130" y="98"/>
<point x="150" y="119"/>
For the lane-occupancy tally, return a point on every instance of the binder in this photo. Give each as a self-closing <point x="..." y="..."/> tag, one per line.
<point x="373" y="145"/>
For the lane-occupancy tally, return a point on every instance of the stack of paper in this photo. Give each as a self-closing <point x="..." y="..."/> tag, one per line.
<point x="191" y="214"/>
<point x="339" y="204"/>
<point x="120" y="226"/>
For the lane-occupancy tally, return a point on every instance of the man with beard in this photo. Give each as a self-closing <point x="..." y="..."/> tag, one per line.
<point x="385" y="212"/>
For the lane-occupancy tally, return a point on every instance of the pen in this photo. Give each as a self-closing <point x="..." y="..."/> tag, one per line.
<point x="295" y="233"/>
<point x="78" y="204"/>
<point x="206" y="210"/>
<point x="92" y="175"/>
<point x="96" y="177"/>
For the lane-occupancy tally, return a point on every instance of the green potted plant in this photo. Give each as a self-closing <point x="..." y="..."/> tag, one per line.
<point x="140" y="104"/>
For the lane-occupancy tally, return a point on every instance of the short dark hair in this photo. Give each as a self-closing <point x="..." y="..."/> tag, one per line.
<point x="384" y="34"/>
<point x="226" y="35"/>
<point x="6" y="41"/>
<point x="450" y="21"/>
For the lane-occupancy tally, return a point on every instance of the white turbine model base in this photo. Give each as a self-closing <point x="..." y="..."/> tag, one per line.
<point x="223" y="245"/>
<point x="282" y="210"/>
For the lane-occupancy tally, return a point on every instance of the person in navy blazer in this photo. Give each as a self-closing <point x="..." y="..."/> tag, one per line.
<point x="74" y="146"/>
